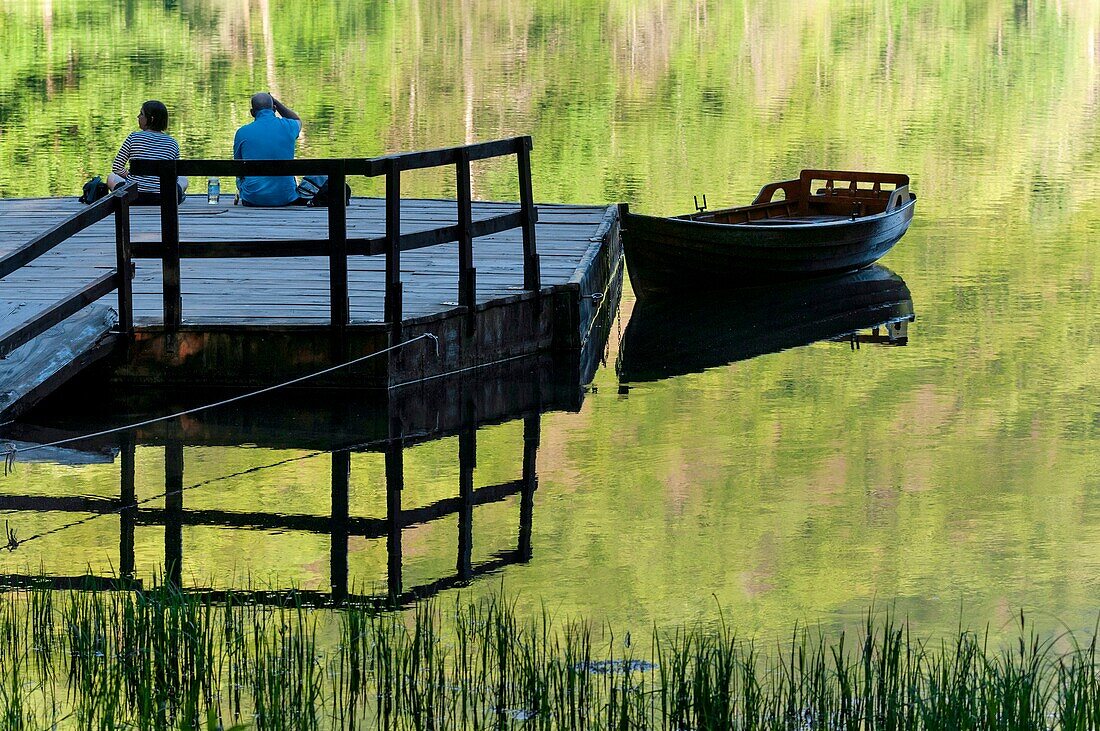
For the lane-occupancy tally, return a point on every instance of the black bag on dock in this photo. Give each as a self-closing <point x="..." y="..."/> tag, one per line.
<point x="320" y="199"/>
<point x="94" y="189"/>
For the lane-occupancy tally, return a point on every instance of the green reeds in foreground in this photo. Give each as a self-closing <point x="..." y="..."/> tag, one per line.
<point x="166" y="659"/>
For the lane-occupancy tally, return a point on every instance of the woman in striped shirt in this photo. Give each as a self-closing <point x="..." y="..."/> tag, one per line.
<point x="151" y="143"/>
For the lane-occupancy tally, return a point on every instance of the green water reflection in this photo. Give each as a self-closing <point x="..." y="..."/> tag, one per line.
<point x="960" y="471"/>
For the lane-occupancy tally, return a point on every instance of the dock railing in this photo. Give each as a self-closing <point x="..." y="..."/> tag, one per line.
<point x="338" y="245"/>
<point x="116" y="203"/>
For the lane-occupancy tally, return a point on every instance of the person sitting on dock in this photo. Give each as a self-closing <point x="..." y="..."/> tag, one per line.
<point x="268" y="137"/>
<point x="149" y="143"/>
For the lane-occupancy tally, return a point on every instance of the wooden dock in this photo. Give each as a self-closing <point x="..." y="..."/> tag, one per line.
<point x="245" y="297"/>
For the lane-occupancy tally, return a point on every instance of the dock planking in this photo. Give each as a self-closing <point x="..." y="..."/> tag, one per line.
<point x="295" y="290"/>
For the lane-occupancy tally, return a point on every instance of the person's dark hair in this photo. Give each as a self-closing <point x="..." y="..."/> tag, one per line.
<point x="156" y="115"/>
<point x="261" y="100"/>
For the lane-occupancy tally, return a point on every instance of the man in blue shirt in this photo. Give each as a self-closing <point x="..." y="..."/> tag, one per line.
<point x="272" y="136"/>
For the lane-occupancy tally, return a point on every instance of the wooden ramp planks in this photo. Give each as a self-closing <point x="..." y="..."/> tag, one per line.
<point x="279" y="291"/>
<point x="34" y="370"/>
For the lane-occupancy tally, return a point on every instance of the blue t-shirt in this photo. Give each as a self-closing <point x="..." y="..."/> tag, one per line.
<point x="267" y="138"/>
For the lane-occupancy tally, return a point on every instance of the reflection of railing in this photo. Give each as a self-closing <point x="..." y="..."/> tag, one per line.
<point x="117" y="203"/>
<point x="338" y="246"/>
<point x="339" y="524"/>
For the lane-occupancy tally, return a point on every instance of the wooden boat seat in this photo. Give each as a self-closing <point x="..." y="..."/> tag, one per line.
<point x="817" y="196"/>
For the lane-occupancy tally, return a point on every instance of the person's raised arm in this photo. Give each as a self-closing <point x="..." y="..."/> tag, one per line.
<point x="284" y="110"/>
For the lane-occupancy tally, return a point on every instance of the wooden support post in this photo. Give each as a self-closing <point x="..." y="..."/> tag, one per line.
<point x="467" y="286"/>
<point x="338" y="250"/>
<point x="531" y="437"/>
<point x="393" y="313"/>
<point x="124" y="266"/>
<point x="395" y="483"/>
<point x="467" y="461"/>
<point x="170" y="238"/>
<point x="338" y="554"/>
<point x="173" y="511"/>
<point x="531" y="277"/>
<point x="127" y="495"/>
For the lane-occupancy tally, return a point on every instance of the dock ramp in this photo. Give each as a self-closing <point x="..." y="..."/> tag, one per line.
<point x="45" y="339"/>
<point x="37" y="368"/>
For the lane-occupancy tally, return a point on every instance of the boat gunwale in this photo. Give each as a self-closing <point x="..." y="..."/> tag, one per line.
<point x="842" y="221"/>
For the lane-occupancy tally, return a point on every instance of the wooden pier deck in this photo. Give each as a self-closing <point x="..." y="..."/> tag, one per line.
<point x="281" y="291"/>
<point x="236" y="296"/>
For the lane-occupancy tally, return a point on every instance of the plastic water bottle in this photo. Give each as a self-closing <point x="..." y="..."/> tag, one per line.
<point x="213" y="190"/>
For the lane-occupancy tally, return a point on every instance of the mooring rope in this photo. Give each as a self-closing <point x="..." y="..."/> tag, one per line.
<point x="9" y="450"/>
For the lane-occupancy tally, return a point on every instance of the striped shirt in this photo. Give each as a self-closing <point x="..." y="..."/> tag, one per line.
<point x="147" y="145"/>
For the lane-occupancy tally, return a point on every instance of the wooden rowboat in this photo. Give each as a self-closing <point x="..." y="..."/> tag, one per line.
<point x="673" y="335"/>
<point x="827" y="222"/>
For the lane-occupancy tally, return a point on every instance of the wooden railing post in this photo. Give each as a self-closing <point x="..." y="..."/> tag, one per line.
<point x="124" y="265"/>
<point x="170" y="238"/>
<point x="531" y="278"/>
<point x="338" y="249"/>
<point x="467" y="282"/>
<point x="393" y="313"/>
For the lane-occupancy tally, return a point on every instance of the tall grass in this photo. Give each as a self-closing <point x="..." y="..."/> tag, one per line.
<point x="165" y="659"/>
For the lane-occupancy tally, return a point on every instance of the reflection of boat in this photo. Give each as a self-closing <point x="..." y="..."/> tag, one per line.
<point x="675" y="335"/>
<point x="818" y="228"/>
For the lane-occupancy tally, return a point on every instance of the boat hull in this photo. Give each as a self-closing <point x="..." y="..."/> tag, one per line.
<point x="672" y="254"/>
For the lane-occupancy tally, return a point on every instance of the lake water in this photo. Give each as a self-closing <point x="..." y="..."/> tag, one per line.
<point x="957" y="477"/>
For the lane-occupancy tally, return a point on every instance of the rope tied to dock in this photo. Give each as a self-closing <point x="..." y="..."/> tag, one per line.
<point x="9" y="450"/>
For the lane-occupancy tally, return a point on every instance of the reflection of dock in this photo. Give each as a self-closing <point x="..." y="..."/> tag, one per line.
<point x="388" y="428"/>
<point x="339" y="525"/>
